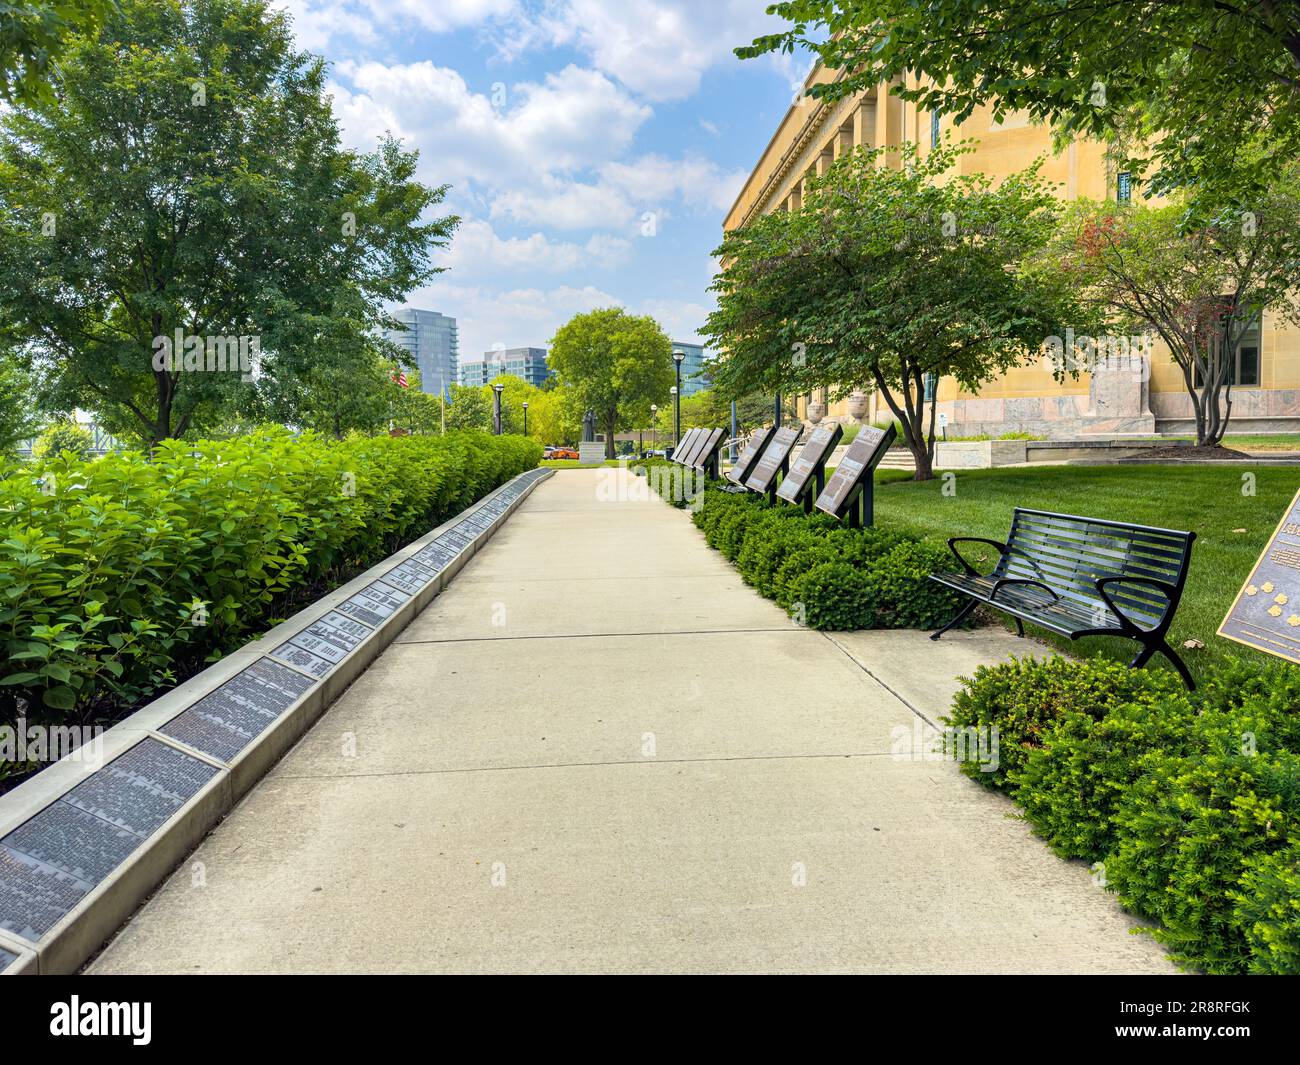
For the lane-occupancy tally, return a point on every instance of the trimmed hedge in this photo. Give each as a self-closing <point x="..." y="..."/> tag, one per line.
<point x="118" y="573"/>
<point x="826" y="574"/>
<point x="1190" y="803"/>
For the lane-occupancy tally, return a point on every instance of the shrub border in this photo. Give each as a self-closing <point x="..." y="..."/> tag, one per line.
<point x="107" y="906"/>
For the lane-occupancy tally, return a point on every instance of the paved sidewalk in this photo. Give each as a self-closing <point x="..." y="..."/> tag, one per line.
<point x="600" y="750"/>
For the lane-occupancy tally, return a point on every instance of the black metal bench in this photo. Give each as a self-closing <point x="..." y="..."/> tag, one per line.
<point x="1082" y="577"/>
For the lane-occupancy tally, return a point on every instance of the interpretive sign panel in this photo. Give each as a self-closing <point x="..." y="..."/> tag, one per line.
<point x="1266" y="612"/>
<point x="758" y="441"/>
<point x="708" y="450"/>
<point x="774" y="457"/>
<point x="855" y="470"/>
<point x="821" y="442"/>
<point x="697" y="437"/>
<point x="686" y="445"/>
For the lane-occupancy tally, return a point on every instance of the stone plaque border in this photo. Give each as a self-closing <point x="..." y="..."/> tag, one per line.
<point x="129" y="870"/>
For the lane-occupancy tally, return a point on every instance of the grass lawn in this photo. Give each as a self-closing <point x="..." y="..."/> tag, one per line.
<point x="1207" y="500"/>
<point x="575" y="464"/>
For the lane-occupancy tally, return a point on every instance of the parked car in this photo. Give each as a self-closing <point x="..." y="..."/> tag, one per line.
<point x="562" y="453"/>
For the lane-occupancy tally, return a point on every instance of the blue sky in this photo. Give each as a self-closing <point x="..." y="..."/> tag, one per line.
<point x="593" y="146"/>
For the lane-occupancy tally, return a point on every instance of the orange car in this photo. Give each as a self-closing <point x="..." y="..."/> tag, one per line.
<point x="562" y="453"/>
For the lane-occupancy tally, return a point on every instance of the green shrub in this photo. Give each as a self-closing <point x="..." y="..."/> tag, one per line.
<point x="1070" y="787"/>
<point x="1189" y="830"/>
<point x="116" y="573"/>
<point x="900" y="583"/>
<point x="1267" y="910"/>
<point x="835" y="596"/>
<point x="1025" y="698"/>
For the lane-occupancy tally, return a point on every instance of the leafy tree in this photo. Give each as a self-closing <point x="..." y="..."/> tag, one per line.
<point x="33" y="35"/>
<point x="1198" y="290"/>
<point x="17" y="416"/>
<point x="889" y="275"/>
<point x="468" y="408"/>
<point x="617" y="364"/>
<point x="62" y="435"/>
<point x="186" y="177"/>
<point x="1192" y="79"/>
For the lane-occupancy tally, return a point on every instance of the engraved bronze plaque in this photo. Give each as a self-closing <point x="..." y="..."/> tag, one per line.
<point x="1266" y="613"/>
<point x="821" y="442"/>
<point x="707" y="449"/>
<point x="227" y="720"/>
<point x="686" y="447"/>
<point x="773" y="458"/>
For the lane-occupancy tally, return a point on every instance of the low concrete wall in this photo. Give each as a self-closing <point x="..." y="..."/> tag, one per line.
<point x="113" y="896"/>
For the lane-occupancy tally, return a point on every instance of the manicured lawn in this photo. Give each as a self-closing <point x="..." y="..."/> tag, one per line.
<point x="1207" y="500"/>
<point x="575" y="464"/>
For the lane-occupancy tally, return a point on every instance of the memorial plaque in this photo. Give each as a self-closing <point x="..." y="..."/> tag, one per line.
<point x="773" y="458"/>
<point x="821" y="442"/>
<point x="225" y="721"/>
<point x="685" y="446"/>
<point x="705" y="453"/>
<point x="744" y="466"/>
<point x="1266" y="612"/>
<point x="436" y="556"/>
<point x="73" y="842"/>
<point x="409" y="577"/>
<point x="855" y="470"/>
<point x="340" y="630"/>
<point x="142" y="788"/>
<point x="292" y="655"/>
<point x="455" y="540"/>
<point x="34" y="897"/>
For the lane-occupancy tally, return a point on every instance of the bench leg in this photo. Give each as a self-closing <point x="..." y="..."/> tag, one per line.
<point x="1020" y="627"/>
<point x="962" y="614"/>
<point x="1148" y="652"/>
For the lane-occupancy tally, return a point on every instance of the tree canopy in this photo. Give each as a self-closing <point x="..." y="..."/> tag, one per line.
<point x="1206" y="90"/>
<point x="889" y="276"/>
<point x="617" y="365"/>
<point x="183" y="187"/>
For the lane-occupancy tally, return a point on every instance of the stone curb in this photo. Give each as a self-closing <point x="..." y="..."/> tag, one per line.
<point x="185" y="746"/>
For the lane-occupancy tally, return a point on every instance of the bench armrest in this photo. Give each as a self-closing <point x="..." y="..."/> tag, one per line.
<point x="971" y="571"/>
<point x="1002" y="582"/>
<point x="1169" y="591"/>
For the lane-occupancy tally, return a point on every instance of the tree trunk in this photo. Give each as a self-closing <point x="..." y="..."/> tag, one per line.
<point x="611" y="423"/>
<point x="911" y="417"/>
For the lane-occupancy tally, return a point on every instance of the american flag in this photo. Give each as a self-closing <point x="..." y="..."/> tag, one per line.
<point x="399" y="375"/>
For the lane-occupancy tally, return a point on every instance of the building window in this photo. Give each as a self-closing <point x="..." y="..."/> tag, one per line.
<point x="934" y="129"/>
<point x="1124" y="188"/>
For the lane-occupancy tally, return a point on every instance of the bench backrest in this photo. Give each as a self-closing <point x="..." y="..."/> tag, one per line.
<point x="1070" y="554"/>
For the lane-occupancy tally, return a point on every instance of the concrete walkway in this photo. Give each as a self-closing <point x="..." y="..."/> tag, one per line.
<point x="600" y="751"/>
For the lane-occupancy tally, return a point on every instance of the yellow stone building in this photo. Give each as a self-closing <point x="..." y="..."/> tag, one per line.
<point x="1266" y="392"/>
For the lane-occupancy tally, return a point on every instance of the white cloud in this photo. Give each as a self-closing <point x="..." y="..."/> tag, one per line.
<point x="658" y="48"/>
<point x="317" y="23"/>
<point x="575" y="118"/>
<point x="477" y="252"/>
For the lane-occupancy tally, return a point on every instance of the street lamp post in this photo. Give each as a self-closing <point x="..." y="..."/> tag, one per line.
<point x="525" y="417"/>
<point x="496" y="407"/>
<point x="678" y="358"/>
<point x="654" y="423"/>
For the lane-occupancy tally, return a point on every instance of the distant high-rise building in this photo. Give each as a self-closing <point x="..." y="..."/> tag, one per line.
<point x="694" y="377"/>
<point x="526" y="363"/>
<point x="433" y="340"/>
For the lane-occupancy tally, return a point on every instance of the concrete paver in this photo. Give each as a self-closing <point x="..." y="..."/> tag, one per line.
<point x="599" y="751"/>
